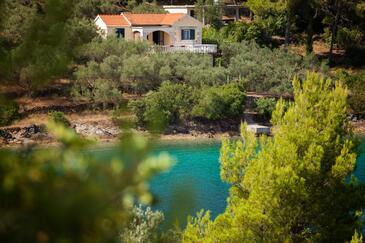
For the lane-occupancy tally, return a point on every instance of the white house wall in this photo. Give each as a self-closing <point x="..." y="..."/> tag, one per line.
<point x="198" y="36"/>
<point x="172" y="34"/>
<point x="128" y="33"/>
<point x="171" y="40"/>
<point x="188" y="22"/>
<point x="177" y="10"/>
<point x="102" y="28"/>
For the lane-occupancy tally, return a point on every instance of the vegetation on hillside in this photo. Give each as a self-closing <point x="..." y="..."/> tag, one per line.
<point x="281" y="184"/>
<point x="9" y="111"/>
<point x="174" y="103"/>
<point x="66" y="194"/>
<point x="295" y="186"/>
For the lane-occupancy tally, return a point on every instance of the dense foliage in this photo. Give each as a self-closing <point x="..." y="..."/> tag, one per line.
<point x="41" y="39"/>
<point x="356" y="84"/>
<point x="64" y="194"/>
<point x="143" y="226"/>
<point x="209" y="11"/>
<point x="260" y="31"/>
<point x="135" y="68"/>
<point x="219" y="102"/>
<point x="9" y="111"/>
<point x="279" y="191"/>
<point x="59" y="118"/>
<point x="292" y="187"/>
<point x="173" y="103"/>
<point x="263" y="69"/>
<point x="265" y="106"/>
<point x="146" y="7"/>
<point x="114" y="66"/>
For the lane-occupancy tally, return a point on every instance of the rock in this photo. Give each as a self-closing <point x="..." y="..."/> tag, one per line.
<point x="5" y="135"/>
<point x="30" y="130"/>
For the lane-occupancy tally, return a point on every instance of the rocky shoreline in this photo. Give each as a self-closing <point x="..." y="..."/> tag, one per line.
<point x="103" y="132"/>
<point x="107" y="132"/>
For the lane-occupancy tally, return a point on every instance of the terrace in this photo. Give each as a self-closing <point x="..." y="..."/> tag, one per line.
<point x="195" y="48"/>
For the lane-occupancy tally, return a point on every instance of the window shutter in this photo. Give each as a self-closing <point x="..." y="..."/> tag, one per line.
<point x="182" y="35"/>
<point x="192" y="34"/>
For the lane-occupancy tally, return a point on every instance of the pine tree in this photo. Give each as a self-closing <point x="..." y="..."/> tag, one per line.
<point x="292" y="186"/>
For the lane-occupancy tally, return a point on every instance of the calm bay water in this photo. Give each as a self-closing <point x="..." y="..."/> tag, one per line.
<point x="194" y="182"/>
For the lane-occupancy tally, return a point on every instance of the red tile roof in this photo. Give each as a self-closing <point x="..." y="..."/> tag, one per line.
<point x="153" y="19"/>
<point x="127" y="19"/>
<point x="114" y="20"/>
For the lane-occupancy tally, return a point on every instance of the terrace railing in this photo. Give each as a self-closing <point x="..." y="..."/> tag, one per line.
<point x="197" y="48"/>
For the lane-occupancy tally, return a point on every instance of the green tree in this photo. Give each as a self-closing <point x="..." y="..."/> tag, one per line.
<point x="356" y="83"/>
<point x="59" y="118"/>
<point x="337" y="13"/>
<point x="146" y="7"/>
<point x="171" y="103"/>
<point x="9" y="111"/>
<point x="143" y="226"/>
<point x="265" y="106"/>
<point x="40" y="40"/>
<point x="209" y="12"/>
<point x="263" y="69"/>
<point x="266" y="8"/>
<point x="218" y="102"/>
<point x="293" y="186"/>
<point x="357" y="238"/>
<point x="66" y="193"/>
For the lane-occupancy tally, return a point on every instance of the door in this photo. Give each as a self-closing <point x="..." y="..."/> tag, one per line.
<point x="158" y="38"/>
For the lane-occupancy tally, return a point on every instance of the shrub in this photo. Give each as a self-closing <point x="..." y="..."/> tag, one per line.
<point x="220" y="102"/>
<point x="356" y="84"/>
<point x="100" y="90"/>
<point x="59" y="118"/>
<point x="265" y="106"/>
<point x="169" y="104"/>
<point x="147" y="7"/>
<point x="263" y="69"/>
<point x="138" y="107"/>
<point x="99" y="49"/>
<point x="260" y="31"/>
<point x="143" y="225"/>
<point x="346" y="38"/>
<point x="349" y="38"/>
<point x="9" y="111"/>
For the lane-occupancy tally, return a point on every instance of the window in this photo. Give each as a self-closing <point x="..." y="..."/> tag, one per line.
<point x="188" y="34"/>
<point x="119" y="32"/>
<point x="192" y="13"/>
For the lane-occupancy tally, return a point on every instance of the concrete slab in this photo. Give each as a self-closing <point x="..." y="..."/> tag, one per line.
<point x="258" y="129"/>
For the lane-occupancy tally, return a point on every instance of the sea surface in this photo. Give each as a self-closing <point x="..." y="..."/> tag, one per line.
<point x="194" y="183"/>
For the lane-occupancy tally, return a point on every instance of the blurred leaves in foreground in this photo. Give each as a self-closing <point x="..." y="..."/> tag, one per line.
<point x="66" y="194"/>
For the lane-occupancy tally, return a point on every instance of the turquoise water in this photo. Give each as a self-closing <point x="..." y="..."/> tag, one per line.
<point x="360" y="165"/>
<point x="194" y="182"/>
<point x="197" y="171"/>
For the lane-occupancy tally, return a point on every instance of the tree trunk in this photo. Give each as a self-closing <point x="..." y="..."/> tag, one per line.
<point x="287" y="31"/>
<point x="237" y="11"/>
<point x="334" y="32"/>
<point x="309" y="39"/>
<point x="203" y="15"/>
